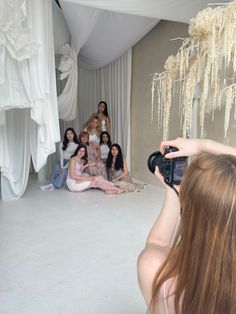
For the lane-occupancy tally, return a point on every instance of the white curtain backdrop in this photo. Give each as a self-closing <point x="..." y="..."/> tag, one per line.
<point x="111" y="83"/>
<point x="29" y="84"/>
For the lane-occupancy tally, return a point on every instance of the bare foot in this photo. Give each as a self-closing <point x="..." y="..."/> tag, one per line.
<point x="120" y="191"/>
<point x="114" y="192"/>
<point x="110" y="193"/>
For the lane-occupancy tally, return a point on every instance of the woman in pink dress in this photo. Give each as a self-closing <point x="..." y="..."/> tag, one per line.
<point x="97" y="168"/>
<point x="78" y="181"/>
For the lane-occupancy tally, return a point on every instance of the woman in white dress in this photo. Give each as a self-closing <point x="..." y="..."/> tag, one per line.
<point x="93" y="129"/>
<point x="103" y="116"/>
<point x="105" y="144"/>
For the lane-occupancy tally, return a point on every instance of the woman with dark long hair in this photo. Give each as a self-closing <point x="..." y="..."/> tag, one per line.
<point x="78" y="181"/>
<point x="66" y="149"/>
<point x="189" y="262"/>
<point x="118" y="171"/>
<point x="105" y="144"/>
<point x="102" y="116"/>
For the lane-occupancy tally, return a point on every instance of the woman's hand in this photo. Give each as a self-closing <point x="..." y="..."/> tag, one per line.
<point x="91" y="164"/>
<point x="186" y="147"/>
<point x="161" y="179"/>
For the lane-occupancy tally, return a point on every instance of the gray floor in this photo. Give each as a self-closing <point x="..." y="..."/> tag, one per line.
<point x="74" y="253"/>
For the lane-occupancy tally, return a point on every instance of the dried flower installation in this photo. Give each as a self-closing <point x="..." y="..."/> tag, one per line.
<point x="204" y="59"/>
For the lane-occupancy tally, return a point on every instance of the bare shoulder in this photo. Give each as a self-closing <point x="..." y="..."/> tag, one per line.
<point x="149" y="261"/>
<point x="72" y="160"/>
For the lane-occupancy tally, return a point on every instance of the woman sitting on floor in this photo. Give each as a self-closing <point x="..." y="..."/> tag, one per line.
<point x="66" y="149"/>
<point x="78" y="181"/>
<point x="118" y="171"/>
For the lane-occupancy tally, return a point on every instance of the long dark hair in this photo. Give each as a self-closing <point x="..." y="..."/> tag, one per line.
<point x="119" y="162"/>
<point x="105" y="112"/>
<point x="109" y="138"/>
<point x="85" y="157"/>
<point x="65" y="141"/>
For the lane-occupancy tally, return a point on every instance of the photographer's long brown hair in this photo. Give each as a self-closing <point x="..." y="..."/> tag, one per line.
<point x="203" y="256"/>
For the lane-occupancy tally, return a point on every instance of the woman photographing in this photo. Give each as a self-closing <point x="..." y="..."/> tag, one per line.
<point x="189" y="261"/>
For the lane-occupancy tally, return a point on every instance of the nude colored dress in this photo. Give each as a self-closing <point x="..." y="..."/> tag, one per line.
<point x="126" y="182"/>
<point x="77" y="185"/>
<point x="99" y="169"/>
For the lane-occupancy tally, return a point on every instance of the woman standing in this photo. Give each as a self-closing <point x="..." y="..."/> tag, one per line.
<point x="118" y="171"/>
<point x="103" y="116"/>
<point x="66" y="149"/>
<point x="78" y="181"/>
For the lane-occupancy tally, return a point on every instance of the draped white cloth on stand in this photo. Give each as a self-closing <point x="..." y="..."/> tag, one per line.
<point x="27" y="48"/>
<point x="67" y="100"/>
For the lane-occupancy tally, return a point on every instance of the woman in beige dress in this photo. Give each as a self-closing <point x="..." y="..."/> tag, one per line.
<point x="118" y="171"/>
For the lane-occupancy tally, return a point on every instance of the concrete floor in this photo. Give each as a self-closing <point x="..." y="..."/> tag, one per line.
<point x="74" y="253"/>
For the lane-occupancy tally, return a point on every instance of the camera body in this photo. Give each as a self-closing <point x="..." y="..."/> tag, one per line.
<point x="171" y="169"/>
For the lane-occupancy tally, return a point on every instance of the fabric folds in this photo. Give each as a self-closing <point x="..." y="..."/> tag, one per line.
<point x="29" y="124"/>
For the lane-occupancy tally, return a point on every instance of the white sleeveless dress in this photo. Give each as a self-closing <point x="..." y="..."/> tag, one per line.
<point x="77" y="185"/>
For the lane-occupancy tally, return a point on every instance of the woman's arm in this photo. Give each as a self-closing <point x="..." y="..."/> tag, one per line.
<point x="108" y="125"/>
<point x="164" y="228"/>
<point x="159" y="241"/>
<point x="190" y="147"/>
<point x="61" y="155"/>
<point x="72" y="172"/>
<point x="124" y="173"/>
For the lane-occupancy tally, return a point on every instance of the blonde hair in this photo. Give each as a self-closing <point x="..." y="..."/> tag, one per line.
<point x="89" y="124"/>
<point x="203" y="256"/>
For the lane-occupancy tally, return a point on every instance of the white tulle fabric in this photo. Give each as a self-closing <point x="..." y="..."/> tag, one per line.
<point x="28" y="102"/>
<point x="67" y="100"/>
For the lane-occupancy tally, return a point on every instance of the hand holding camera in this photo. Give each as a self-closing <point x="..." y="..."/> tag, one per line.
<point x="172" y="170"/>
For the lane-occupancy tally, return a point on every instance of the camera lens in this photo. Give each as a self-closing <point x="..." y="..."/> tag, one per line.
<point x="154" y="160"/>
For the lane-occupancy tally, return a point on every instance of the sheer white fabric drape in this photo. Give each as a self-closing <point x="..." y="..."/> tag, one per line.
<point x="102" y="36"/>
<point x="29" y="84"/>
<point x="67" y="100"/>
<point x="179" y="11"/>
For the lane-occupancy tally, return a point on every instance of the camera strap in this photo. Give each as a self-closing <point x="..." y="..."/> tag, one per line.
<point x="173" y="188"/>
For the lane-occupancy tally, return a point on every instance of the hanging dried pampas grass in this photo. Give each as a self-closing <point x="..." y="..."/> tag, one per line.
<point x="204" y="58"/>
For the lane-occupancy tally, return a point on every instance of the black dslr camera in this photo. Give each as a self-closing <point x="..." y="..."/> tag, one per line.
<point x="171" y="169"/>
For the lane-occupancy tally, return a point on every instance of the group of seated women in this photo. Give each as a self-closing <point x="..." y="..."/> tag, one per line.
<point x="91" y="160"/>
